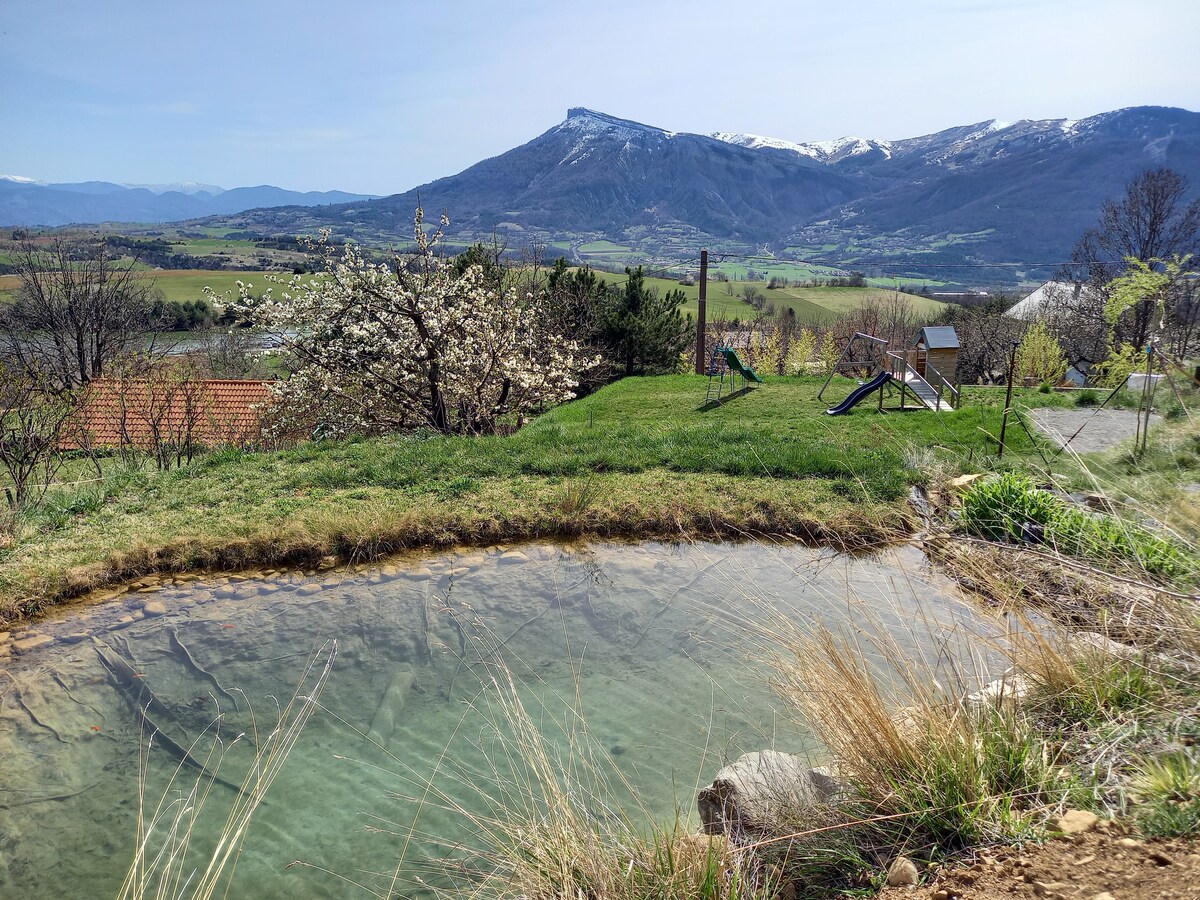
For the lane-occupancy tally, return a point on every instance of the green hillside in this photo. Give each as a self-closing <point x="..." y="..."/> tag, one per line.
<point x="811" y="304"/>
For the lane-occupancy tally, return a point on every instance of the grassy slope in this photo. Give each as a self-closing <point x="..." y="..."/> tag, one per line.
<point x="637" y="458"/>
<point x="822" y="304"/>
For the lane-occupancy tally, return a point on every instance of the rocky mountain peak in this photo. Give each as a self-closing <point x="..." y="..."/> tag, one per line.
<point x="582" y="119"/>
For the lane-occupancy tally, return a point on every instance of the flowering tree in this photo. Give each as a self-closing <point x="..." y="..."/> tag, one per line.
<point x="408" y="344"/>
<point x="1040" y="355"/>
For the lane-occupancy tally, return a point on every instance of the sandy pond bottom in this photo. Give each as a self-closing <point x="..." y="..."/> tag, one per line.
<point x="652" y="639"/>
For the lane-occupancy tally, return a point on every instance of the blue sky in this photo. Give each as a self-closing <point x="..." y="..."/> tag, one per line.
<point x="379" y="97"/>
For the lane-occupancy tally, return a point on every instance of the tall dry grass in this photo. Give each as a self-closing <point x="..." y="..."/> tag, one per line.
<point x="929" y="767"/>
<point x="166" y="863"/>
<point x="554" y="825"/>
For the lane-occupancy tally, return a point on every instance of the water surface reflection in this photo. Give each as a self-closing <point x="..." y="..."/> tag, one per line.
<point x="650" y="637"/>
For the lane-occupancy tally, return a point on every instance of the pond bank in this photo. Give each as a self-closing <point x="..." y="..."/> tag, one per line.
<point x="637" y="459"/>
<point x="652" y="506"/>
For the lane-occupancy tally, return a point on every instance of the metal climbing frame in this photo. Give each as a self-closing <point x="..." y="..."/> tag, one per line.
<point x="873" y="364"/>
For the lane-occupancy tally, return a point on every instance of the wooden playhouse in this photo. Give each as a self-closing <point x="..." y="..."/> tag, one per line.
<point x="936" y="348"/>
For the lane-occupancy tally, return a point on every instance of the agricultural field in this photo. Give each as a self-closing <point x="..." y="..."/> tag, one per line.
<point x="189" y="284"/>
<point x="179" y="285"/>
<point x="842" y="300"/>
<point x="593" y="248"/>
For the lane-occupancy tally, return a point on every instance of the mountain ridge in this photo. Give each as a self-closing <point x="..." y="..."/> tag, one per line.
<point x="985" y="193"/>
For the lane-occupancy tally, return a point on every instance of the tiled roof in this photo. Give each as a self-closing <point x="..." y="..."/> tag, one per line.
<point x="131" y="412"/>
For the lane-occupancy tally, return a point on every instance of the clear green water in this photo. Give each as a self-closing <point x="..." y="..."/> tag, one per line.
<point x="650" y="641"/>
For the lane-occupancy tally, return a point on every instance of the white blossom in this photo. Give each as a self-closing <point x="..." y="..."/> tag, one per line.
<point x="408" y="344"/>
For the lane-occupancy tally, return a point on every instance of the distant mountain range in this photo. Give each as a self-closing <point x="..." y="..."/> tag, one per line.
<point x="24" y="201"/>
<point x="990" y="192"/>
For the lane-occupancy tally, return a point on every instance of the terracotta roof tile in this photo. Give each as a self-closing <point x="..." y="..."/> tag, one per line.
<point x="131" y="411"/>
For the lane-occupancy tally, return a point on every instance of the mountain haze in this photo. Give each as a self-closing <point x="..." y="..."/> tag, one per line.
<point x="26" y="202"/>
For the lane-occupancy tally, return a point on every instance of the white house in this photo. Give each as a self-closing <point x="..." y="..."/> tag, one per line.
<point x="1054" y="296"/>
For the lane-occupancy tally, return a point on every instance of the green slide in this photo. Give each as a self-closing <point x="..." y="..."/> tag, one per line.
<point x="736" y="365"/>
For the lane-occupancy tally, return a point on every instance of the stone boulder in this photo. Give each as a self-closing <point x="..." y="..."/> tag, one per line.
<point x="762" y="789"/>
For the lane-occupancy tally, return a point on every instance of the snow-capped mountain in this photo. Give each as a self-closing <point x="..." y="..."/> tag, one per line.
<point x="823" y="151"/>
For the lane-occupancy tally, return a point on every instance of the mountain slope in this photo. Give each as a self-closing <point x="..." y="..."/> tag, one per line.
<point x="1032" y="187"/>
<point x="976" y="194"/>
<point x="598" y="174"/>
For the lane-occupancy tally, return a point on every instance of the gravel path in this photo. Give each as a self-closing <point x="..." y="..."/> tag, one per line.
<point x="1102" y="428"/>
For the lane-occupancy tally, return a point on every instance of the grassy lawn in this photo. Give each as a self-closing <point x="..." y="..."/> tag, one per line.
<point x="637" y="458"/>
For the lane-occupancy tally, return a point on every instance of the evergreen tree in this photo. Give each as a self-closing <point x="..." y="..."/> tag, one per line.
<point x="643" y="329"/>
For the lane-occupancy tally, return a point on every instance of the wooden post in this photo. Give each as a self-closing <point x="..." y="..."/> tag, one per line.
<point x="1146" y="403"/>
<point x="1012" y="365"/>
<point x="701" y="361"/>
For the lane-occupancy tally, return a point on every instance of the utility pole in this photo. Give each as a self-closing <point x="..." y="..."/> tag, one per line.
<point x="701" y="363"/>
<point x="1012" y="365"/>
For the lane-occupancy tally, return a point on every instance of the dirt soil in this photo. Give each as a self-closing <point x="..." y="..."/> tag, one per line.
<point x="1103" y="864"/>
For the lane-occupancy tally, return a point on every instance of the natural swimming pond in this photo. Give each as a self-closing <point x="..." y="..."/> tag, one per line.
<point x="654" y="643"/>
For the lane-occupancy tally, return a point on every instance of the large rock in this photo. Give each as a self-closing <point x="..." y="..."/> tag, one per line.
<point x="1009" y="690"/>
<point x="761" y="789"/>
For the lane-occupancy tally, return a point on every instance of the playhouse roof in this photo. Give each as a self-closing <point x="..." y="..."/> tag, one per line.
<point x="938" y="337"/>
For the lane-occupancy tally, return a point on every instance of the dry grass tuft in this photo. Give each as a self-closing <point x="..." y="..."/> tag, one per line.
<point x="166" y="863"/>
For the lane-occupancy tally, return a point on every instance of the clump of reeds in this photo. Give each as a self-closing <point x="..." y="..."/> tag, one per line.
<point x="928" y="770"/>
<point x="931" y="768"/>
<point x="1168" y="788"/>
<point x="578" y="497"/>
<point x="558" y="820"/>
<point x="165" y="863"/>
